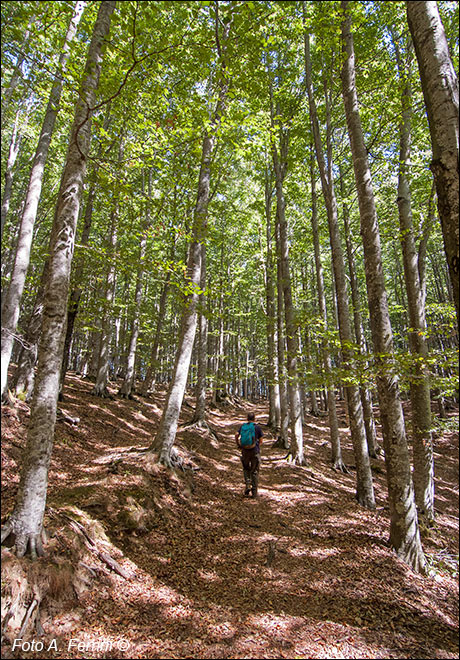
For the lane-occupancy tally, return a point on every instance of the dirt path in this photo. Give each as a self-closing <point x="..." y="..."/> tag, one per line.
<point x="301" y="571"/>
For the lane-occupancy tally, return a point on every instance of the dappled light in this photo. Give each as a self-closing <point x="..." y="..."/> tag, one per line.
<point x="303" y="571"/>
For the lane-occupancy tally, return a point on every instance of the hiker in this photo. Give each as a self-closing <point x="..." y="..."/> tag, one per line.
<point x="248" y="439"/>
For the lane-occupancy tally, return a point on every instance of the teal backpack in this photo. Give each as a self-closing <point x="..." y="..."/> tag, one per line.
<point x="248" y="434"/>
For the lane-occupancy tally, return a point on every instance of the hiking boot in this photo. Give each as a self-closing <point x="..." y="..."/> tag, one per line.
<point x="247" y="491"/>
<point x="254" y="492"/>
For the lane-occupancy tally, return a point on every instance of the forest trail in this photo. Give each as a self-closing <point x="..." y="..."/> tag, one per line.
<point x="300" y="572"/>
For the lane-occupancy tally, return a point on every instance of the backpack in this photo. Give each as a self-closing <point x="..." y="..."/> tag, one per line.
<point x="248" y="434"/>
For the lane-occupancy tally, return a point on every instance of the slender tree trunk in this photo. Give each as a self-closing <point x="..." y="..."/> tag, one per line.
<point x="284" y="280"/>
<point x="404" y="531"/>
<point x="419" y="378"/>
<point x="12" y="302"/>
<point x="17" y="72"/>
<point x="283" y="439"/>
<point x="166" y="434"/>
<point x="199" y="416"/>
<point x="365" y="393"/>
<point x="336" y="457"/>
<point x="76" y="293"/>
<point x="272" y="365"/>
<point x="152" y="370"/>
<point x="440" y="91"/>
<point x="100" y="388"/>
<point x="26" y="520"/>
<point x="364" y="486"/>
<point x="128" y="383"/>
<point x="13" y="151"/>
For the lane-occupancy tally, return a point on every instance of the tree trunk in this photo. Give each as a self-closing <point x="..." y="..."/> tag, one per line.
<point x="17" y="72"/>
<point x="440" y="91"/>
<point x="100" y="388"/>
<point x="150" y="377"/>
<point x="12" y="302"/>
<point x="295" y="408"/>
<point x="365" y="393"/>
<point x="272" y="365"/>
<point x="76" y="293"/>
<point x="336" y="457"/>
<point x="364" y="486"/>
<point x="283" y="439"/>
<point x="419" y="376"/>
<point x="13" y="151"/>
<point x="169" y="420"/>
<point x="128" y="383"/>
<point x="26" y="519"/>
<point x="199" y="416"/>
<point x="404" y="531"/>
<point x="279" y="155"/>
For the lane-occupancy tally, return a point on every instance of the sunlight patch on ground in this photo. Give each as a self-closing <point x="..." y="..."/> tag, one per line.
<point x="320" y="553"/>
<point x="208" y="575"/>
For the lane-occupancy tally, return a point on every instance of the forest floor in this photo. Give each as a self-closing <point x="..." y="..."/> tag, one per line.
<point x="146" y="563"/>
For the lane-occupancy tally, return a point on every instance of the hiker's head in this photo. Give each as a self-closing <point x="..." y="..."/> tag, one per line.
<point x="251" y="417"/>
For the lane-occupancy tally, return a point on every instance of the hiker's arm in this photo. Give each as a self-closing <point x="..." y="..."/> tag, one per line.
<point x="237" y="439"/>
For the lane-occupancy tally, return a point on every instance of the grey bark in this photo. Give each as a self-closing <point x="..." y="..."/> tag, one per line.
<point x="26" y="520"/>
<point x="150" y="377"/>
<point x="102" y="377"/>
<point x="13" y="151"/>
<point x="128" y="382"/>
<point x="336" y="456"/>
<point x="272" y="364"/>
<point x="283" y="439"/>
<point x="365" y="393"/>
<point x="166" y="434"/>
<point x="76" y="293"/>
<point x="440" y="91"/>
<point x="404" y="531"/>
<point x="364" y="485"/>
<point x="284" y="280"/>
<point x="12" y="302"/>
<point x="419" y="378"/>
<point x="199" y="416"/>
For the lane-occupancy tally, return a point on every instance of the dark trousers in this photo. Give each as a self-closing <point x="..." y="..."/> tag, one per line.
<point x="250" y="459"/>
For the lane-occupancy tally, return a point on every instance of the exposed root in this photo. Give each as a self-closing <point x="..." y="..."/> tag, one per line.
<point x="25" y="621"/>
<point x="103" y="393"/>
<point x="8" y="398"/>
<point x="295" y="460"/>
<point x="64" y="417"/>
<point x="178" y="461"/>
<point x="203" y="425"/>
<point x="280" y="443"/>
<point x="91" y="545"/>
<point x="339" y="466"/>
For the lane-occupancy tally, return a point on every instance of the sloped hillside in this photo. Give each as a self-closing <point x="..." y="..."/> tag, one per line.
<point x="146" y="563"/>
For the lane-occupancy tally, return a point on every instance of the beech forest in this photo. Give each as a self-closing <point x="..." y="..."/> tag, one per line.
<point x="229" y="331"/>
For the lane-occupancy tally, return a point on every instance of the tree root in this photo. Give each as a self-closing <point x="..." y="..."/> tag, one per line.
<point x="103" y="394"/>
<point x="8" y="398"/>
<point x="64" y="417"/>
<point x="25" y="621"/>
<point x="177" y="461"/>
<point x="24" y="542"/>
<point x="280" y="443"/>
<point x="339" y="466"/>
<point x="90" y="544"/>
<point x="294" y="460"/>
<point x="202" y="425"/>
